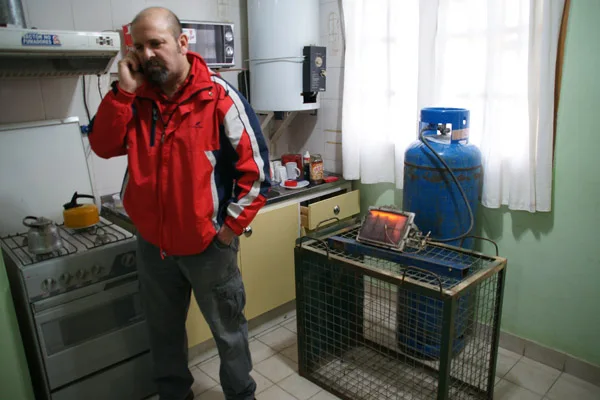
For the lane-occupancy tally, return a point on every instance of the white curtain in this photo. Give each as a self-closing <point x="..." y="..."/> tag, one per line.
<point x="380" y="87"/>
<point x="495" y="58"/>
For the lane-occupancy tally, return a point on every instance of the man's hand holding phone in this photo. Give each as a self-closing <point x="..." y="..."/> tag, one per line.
<point x="131" y="76"/>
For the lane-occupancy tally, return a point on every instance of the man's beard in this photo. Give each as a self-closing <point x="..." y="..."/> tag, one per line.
<point x="156" y="72"/>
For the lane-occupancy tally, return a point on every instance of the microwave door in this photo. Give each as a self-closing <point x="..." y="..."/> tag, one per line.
<point x="213" y="41"/>
<point x="206" y="44"/>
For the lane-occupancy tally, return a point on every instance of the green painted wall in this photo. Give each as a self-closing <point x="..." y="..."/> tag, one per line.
<point x="14" y="375"/>
<point x="553" y="282"/>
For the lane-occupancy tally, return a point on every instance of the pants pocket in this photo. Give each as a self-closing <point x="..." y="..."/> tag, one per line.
<point x="231" y="300"/>
<point x="222" y="246"/>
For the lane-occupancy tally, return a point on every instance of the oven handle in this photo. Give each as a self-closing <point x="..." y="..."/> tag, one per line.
<point x="98" y="293"/>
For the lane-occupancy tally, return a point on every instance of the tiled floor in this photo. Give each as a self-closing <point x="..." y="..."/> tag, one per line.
<point x="274" y="353"/>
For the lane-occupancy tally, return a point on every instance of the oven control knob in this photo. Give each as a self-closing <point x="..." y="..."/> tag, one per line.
<point x="48" y="284"/>
<point x="96" y="269"/>
<point x="128" y="260"/>
<point x="65" y="278"/>
<point x="81" y="274"/>
<point x="229" y="51"/>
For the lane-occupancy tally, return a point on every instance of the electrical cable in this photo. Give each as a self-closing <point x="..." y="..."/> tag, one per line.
<point x="290" y="58"/>
<point x="99" y="90"/>
<point x="87" y="110"/>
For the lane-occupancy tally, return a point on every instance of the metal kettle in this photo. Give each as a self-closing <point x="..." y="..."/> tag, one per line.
<point x="79" y="216"/>
<point x="43" y="236"/>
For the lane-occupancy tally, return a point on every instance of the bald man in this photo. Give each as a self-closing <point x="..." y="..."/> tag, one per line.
<point x="197" y="175"/>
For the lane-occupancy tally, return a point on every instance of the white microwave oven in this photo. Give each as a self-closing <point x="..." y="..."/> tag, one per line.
<point x="214" y="41"/>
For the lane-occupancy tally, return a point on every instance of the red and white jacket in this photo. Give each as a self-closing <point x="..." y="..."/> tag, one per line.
<point x="195" y="161"/>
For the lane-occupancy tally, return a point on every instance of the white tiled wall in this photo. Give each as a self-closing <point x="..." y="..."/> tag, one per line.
<point x="55" y="98"/>
<point x="322" y="133"/>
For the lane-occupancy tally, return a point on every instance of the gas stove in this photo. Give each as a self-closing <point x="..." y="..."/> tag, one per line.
<point x="79" y="308"/>
<point x="90" y="255"/>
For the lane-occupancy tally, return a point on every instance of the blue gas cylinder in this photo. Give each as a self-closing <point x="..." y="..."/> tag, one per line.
<point x="429" y="190"/>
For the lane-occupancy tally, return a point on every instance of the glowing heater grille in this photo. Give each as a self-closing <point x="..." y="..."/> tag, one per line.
<point x="386" y="227"/>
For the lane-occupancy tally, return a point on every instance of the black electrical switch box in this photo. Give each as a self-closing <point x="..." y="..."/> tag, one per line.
<point x="314" y="72"/>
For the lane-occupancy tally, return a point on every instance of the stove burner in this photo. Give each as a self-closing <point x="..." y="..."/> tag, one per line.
<point x="45" y="256"/>
<point x="90" y="230"/>
<point x="102" y="237"/>
<point x="74" y="241"/>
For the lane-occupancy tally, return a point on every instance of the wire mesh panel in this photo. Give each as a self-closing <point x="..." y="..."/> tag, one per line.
<point x="470" y="369"/>
<point x="371" y="327"/>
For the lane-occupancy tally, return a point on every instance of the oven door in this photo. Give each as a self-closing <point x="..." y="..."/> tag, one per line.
<point x="87" y="334"/>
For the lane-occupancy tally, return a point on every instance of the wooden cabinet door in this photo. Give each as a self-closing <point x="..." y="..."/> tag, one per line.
<point x="267" y="260"/>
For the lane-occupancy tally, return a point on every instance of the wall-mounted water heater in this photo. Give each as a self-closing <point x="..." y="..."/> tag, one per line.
<point x="287" y="67"/>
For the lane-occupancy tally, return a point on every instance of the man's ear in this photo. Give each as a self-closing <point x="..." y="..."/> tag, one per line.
<point x="183" y="43"/>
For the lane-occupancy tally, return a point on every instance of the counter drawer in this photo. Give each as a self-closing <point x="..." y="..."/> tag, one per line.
<point x="341" y="206"/>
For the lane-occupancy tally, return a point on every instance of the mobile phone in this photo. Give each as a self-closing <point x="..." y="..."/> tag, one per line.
<point x="140" y="69"/>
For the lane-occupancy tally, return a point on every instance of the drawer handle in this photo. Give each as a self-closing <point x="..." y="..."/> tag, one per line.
<point x="248" y="231"/>
<point x="336" y="210"/>
<point x="326" y="221"/>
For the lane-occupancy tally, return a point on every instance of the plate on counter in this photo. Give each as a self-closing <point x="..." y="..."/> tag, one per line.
<point x="299" y="185"/>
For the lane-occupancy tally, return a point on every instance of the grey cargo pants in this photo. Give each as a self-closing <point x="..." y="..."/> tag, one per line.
<point x="165" y="288"/>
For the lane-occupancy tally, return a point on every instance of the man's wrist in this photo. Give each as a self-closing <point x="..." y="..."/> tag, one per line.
<point x="226" y="234"/>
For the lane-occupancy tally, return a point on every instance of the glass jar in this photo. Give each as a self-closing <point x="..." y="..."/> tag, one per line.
<point x="316" y="169"/>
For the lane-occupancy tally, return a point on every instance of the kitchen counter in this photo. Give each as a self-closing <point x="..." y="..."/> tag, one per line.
<point x="276" y="195"/>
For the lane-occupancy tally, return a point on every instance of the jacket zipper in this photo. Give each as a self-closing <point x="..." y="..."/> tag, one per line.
<point x="155" y="118"/>
<point x="153" y="126"/>
<point x="163" y="254"/>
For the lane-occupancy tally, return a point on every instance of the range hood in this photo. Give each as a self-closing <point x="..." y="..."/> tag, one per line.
<point x="26" y="53"/>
